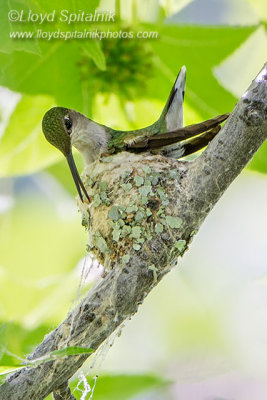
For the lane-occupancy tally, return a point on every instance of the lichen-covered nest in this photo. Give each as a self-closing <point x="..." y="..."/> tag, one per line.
<point x="133" y="209"/>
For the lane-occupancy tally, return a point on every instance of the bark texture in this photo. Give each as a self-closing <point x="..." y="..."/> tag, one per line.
<point x="145" y="211"/>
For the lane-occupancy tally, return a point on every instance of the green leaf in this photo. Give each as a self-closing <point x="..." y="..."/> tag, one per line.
<point x="24" y="148"/>
<point x="7" y="44"/>
<point x="3" y="328"/>
<point x="47" y="74"/>
<point x="93" y="50"/>
<point x="8" y="369"/>
<point x="203" y="94"/>
<point x="261" y="8"/>
<point x="122" y="387"/>
<point x="70" y="351"/>
<point x="251" y="49"/>
<point x="60" y="171"/>
<point x="51" y="67"/>
<point x="20" y="340"/>
<point x="34" y="297"/>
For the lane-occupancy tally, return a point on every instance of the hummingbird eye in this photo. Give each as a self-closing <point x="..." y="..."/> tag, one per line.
<point x="68" y="123"/>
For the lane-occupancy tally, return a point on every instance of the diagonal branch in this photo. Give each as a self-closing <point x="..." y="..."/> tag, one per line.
<point x="63" y="393"/>
<point x="144" y="215"/>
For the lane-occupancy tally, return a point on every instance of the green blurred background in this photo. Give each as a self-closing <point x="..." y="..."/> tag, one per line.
<point x="201" y="334"/>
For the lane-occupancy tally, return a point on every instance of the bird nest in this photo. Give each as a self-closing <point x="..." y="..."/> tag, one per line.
<point x="133" y="210"/>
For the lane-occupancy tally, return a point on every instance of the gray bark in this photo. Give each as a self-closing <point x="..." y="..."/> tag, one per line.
<point x="63" y="393"/>
<point x="179" y="199"/>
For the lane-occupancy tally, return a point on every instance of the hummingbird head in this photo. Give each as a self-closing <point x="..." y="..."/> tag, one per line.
<point x="57" y="127"/>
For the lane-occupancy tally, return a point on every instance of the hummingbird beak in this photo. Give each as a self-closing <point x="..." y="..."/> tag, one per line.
<point x="76" y="177"/>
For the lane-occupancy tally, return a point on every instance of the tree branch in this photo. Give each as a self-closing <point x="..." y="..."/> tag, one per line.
<point x="63" y="393"/>
<point x="146" y="210"/>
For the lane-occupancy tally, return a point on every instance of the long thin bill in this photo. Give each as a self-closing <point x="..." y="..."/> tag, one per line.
<point x="76" y="177"/>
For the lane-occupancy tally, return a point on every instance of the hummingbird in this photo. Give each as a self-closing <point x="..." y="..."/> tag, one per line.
<point x="65" y="128"/>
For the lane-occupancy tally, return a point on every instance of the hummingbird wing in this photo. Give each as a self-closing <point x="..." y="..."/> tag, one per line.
<point x="197" y="143"/>
<point x="208" y="129"/>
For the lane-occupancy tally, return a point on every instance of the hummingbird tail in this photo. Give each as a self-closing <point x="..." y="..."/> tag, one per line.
<point x="172" y="115"/>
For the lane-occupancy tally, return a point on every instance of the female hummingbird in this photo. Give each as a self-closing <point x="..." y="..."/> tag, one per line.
<point x="65" y="128"/>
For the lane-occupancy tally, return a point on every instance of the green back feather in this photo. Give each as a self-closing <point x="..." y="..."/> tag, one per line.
<point x="119" y="139"/>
